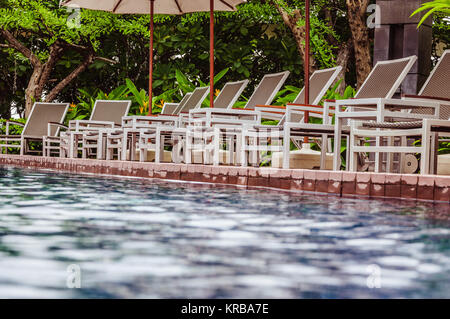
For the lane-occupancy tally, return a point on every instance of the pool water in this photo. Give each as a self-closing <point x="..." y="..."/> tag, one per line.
<point x="132" y="238"/>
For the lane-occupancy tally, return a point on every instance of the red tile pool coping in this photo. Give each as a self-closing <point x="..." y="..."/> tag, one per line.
<point x="344" y="184"/>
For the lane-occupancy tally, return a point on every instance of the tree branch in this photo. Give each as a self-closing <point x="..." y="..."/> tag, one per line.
<point x="105" y="60"/>
<point x="61" y="85"/>
<point x="56" y="52"/>
<point x="15" y="44"/>
<point x="291" y="21"/>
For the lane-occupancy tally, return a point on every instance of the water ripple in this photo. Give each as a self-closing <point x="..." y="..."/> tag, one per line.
<point x="152" y="239"/>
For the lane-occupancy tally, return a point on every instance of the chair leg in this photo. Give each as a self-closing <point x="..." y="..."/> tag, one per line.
<point x="124" y="146"/>
<point x="100" y="147"/>
<point x="352" y="156"/>
<point x="253" y="141"/>
<point x="238" y="152"/>
<point x="390" y="156"/>
<point x="323" y="154"/>
<point x="425" y="154"/>
<point x="337" y="146"/>
<point x="188" y="150"/>
<point x="142" y="151"/>
<point x="229" y="154"/>
<point x="216" y="147"/>
<point x="176" y="150"/>
<point x="22" y="146"/>
<point x="403" y="142"/>
<point x="286" y="148"/>
<point x="244" y="150"/>
<point x="133" y="147"/>
<point x="159" y="148"/>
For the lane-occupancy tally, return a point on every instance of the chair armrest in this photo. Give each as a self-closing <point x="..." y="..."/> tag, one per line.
<point x="308" y="109"/>
<point x="424" y="97"/>
<point x="87" y="124"/>
<point x="9" y="122"/>
<point x="59" y="125"/>
<point x="309" y="105"/>
<point x="271" y="109"/>
<point x="242" y="109"/>
<point x="304" y="108"/>
<point x="272" y="106"/>
<point x="15" y="123"/>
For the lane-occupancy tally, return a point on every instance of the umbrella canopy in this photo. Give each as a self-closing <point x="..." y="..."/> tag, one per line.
<point x="162" y="7"/>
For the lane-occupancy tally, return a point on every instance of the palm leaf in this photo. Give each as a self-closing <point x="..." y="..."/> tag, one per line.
<point x="432" y="6"/>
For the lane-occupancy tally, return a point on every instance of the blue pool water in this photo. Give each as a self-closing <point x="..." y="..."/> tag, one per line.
<point x="135" y="238"/>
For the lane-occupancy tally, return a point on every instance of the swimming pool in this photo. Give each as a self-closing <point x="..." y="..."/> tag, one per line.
<point x="131" y="238"/>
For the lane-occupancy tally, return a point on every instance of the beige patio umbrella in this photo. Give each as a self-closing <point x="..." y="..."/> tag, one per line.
<point x="153" y="7"/>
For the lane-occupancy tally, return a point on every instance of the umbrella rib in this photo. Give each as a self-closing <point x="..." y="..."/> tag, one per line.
<point x="227" y="4"/>
<point x="178" y="5"/>
<point x="116" y="6"/>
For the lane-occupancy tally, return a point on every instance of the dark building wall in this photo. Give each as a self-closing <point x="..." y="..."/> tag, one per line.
<point x="397" y="36"/>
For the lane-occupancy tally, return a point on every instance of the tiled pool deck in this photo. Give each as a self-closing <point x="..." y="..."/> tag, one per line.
<point x="414" y="187"/>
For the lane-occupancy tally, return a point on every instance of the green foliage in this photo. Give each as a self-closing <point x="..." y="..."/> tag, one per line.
<point x="441" y="35"/>
<point x="140" y="98"/>
<point x="334" y="94"/>
<point x="286" y="95"/>
<point x="321" y="30"/>
<point x="437" y="6"/>
<point x="13" y="129"/>
<point x="249" y="43"/>
<point x="444" y="147"/>
<point x="86" y="100"/>
<point x="47" y="22"/>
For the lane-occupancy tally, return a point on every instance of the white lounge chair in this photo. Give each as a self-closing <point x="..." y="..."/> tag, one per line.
<point x="382" y="82"/>
<point x="36" y="127"/>
<point x="430" y="124"/>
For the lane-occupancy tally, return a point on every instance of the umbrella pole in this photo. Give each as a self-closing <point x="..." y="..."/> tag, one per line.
<point x="307" y="39"/>
<point x="150" y="81"/>
<point x="211" y="53"/>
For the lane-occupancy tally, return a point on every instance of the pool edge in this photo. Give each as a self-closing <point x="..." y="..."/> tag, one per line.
<point x="343" y="184"/>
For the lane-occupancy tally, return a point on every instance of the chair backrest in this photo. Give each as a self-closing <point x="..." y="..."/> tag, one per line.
<point x="385" y="78"/>
<point x="195" y="100"/>
<point x="438" y="86"/>
<point x="169" y="108"/>
<point x="182" y="103"/>
<point x="319" y="83"/>
<point x="230" y="94"/>
<point x="41" y="114"/>
<point x="438" y="83"/>
<point x="110" y="111"/>
<point x="267" y="89"/>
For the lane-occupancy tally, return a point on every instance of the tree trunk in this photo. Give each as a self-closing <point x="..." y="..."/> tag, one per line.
<point x="42" y="71"/>
<point x="61" y="85"/>
<point x="291" y="20"/>
<point x="34" y="90"/>
<point x="356" y="10"/>
<point x="342" y="60"/>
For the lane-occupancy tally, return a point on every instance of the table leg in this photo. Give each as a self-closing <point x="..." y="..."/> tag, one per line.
<point x="337" y="144"/>
<point x="133" y="146"/>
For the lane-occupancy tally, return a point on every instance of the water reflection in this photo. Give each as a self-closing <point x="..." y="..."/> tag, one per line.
<point x="143" y="238"/>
